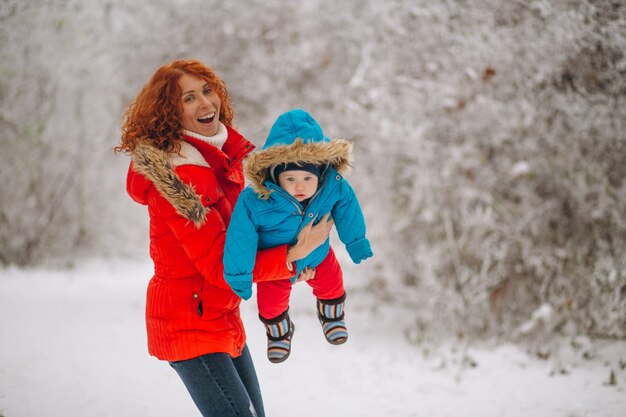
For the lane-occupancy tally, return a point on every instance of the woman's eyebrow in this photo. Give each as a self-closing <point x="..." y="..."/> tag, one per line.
<point x="193" y="91"/>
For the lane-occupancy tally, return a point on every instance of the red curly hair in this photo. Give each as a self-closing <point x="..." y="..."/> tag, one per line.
<point x="154" y="116"/>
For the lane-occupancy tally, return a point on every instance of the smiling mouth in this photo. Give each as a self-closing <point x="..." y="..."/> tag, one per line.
<point x="207" y="119"/>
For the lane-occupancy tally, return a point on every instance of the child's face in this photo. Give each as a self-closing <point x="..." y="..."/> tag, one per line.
<point x="300" y="184"/>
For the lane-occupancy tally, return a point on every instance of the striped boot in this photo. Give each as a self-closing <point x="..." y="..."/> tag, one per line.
<point x="330" y="314"/>
<point x="279" y="334"/>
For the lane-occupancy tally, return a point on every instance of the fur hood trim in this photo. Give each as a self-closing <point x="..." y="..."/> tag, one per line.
<point x="336" y="153"/>
<point x="159" y="167"/>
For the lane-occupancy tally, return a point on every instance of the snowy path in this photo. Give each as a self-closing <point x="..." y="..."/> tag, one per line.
<point x="73" y="345"/>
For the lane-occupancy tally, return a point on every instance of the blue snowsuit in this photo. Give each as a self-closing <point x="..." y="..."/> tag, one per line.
<point x="266" y="216"/>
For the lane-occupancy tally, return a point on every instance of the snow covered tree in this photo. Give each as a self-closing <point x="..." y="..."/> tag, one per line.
<point x="489" y="137"/>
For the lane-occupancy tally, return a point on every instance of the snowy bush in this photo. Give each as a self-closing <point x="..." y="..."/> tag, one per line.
<point x="515" y="196"/>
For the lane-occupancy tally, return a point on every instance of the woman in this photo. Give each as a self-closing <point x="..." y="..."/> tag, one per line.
<point x="187" y="168"/>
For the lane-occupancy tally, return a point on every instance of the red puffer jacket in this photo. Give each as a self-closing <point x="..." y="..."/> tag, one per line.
<point x="190" y="309"/>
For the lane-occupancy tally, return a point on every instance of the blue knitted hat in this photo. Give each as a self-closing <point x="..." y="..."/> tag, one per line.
<point x="276" y="170"/>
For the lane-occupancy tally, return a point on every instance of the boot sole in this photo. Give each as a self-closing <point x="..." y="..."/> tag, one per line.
<point x="338" y="341"/>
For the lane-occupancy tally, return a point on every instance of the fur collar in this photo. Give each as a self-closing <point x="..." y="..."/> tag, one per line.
<point x="337" y="153"/>
<point x="159" y="167"/>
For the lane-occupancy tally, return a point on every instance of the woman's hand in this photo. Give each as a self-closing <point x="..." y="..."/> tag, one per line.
<point x="306" y="274"/>
<point x="309" y="238"/>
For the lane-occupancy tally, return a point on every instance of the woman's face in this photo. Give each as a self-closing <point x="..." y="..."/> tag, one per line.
<point x="201" y="106"/>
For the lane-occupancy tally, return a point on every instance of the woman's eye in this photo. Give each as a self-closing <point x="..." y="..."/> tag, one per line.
<point x="208" y="91"/>
<point x="188" y="99"/>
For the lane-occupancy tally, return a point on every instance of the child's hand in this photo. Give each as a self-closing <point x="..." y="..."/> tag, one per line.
<point x="306" y="274"/>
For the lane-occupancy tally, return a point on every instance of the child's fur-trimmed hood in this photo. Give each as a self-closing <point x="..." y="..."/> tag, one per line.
<point x="296" y="137"/>
<point x="336" y="153"/>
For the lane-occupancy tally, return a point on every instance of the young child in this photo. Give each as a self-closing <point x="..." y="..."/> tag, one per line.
<point x="295" y="179"/>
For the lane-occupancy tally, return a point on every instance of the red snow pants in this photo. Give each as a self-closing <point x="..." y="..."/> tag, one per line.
<point x="273" y="296"/>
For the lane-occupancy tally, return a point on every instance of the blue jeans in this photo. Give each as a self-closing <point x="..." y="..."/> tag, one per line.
<point x="222" y="386"/>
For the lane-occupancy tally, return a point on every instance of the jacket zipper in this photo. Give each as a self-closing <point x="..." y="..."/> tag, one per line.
<point x="292" y="200"/>
<point x="241" y="156"/>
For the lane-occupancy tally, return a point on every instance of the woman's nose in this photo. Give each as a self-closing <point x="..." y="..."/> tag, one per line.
<point x="205" y="101"/>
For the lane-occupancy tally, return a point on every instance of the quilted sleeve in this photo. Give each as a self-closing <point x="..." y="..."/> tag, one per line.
<point x="350" y="224"/>
<point x="241" y="246"/>
<point x="205" y="245"/>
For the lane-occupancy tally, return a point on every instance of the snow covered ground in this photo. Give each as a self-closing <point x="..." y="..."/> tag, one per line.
<point x="72" y="344"/>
